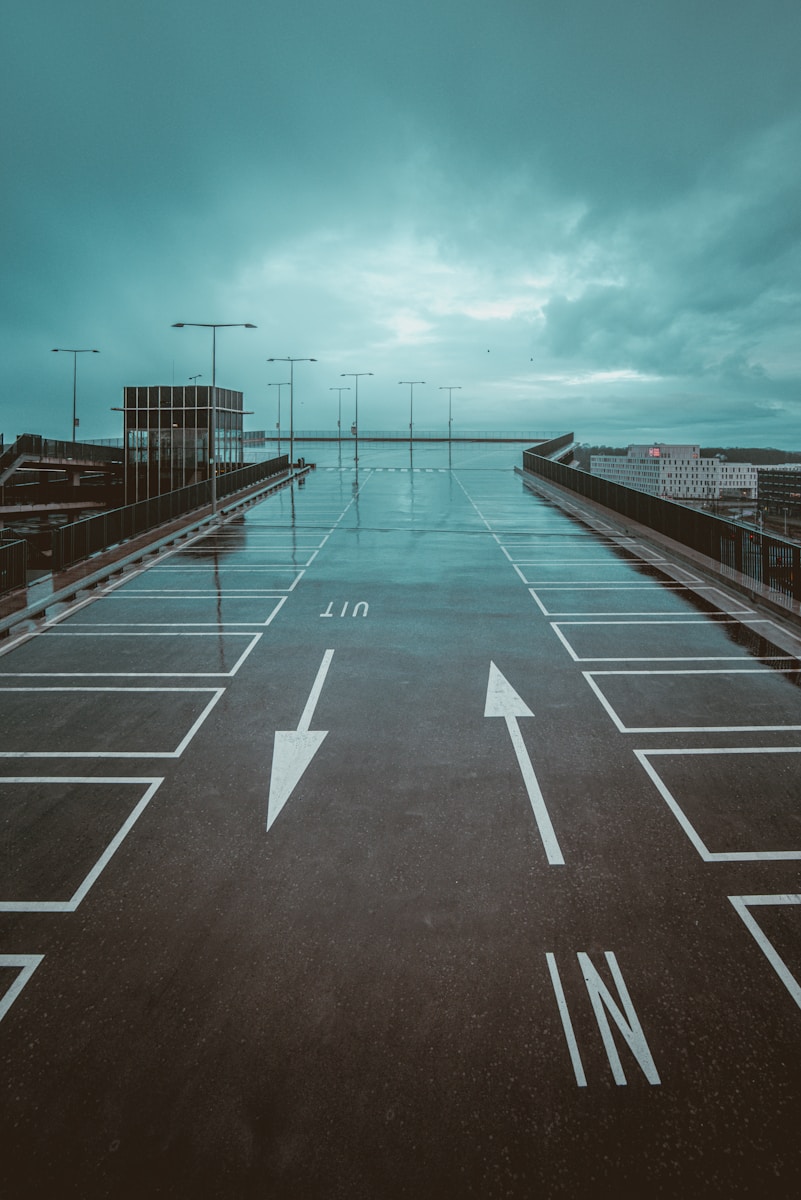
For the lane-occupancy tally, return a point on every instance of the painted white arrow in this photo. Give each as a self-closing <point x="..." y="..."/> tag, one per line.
<point x="503" y="701"/>
<point x="294" y="749"/>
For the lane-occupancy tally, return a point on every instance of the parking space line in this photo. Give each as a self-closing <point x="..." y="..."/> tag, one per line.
<point x="252" y="640"/>
<point x="27" y="964"/>
<point x="592" y="676"/>
<point x="644" y="758"/>
<point x="214" y="693"/>
<point x="151" y="784"/>
<point x="741" y="906"/>
<point x="657" y="589"/>
<point x="226" y="624"/>
<point x="560" y="626"/>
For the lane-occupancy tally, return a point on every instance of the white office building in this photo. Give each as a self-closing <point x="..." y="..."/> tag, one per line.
<point x="677" y="473"/>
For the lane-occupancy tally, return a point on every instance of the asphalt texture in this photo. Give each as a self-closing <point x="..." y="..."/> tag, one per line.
<point x="404" y="836"/>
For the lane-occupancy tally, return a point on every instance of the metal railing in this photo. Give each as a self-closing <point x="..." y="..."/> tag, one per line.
<point x="81" y="539"/>
<point x="33" y="445"/>
<point x="738" y="548"/>
<point x="13" y="565"/>
<point x="394" y="435"/>
<point x="59" y="495"/>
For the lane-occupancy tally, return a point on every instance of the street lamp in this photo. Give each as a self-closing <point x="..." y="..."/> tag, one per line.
<point x="357" y="376"/>
<point x="411" y="383"/>
<point x="291" y="362"/>
<point x="74" y="353"/>
<point x="339" y="417"/>
<point x="193" y="378"/>
<point x="284" y="383"/>
<point x="213" y="414"/>
<point x="450" y="390"/>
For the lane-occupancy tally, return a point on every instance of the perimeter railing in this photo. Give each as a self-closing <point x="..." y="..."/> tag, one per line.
<point x="34" y="446"/>
<point x="81" y="539"/>
<point x="13" y="565"/>
<point x="256" y="437"/>
<point x="736" y="547"/>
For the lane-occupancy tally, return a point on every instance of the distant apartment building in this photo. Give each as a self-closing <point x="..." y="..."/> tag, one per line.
<point x="780" y="489"/>
<point x="167" y="437"/>
<point x="677" y="473"/>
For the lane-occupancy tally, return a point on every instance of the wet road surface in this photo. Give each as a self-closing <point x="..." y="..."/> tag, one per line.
<point x="402" y="837"/>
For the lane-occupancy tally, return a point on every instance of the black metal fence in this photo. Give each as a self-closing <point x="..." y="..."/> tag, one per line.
<point x="79" y="540"/>
<point x="13" y="565"/>
<point x="765" y="558"/>
<point x="32" y="444"/>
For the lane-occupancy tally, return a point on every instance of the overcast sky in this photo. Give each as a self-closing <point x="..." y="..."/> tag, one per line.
<point x="584" y="213"/>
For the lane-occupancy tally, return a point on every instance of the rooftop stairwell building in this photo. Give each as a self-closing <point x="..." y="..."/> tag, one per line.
<point x="167" y="437"/>
<point x="677" y="472"/>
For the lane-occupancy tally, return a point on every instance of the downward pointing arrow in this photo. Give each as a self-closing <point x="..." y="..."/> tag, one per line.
<point x="503" y="701"/>
<point x="294" y="749"/>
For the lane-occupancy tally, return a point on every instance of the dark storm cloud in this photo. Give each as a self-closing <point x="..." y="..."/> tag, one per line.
<point x="603" y="195"/>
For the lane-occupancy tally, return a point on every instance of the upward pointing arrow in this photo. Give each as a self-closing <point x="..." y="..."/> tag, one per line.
<point x="294" y="749"/>
<point x="503" y="701"/>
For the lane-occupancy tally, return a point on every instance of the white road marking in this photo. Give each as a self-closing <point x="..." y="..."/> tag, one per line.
<point x="644" y="757"/>
<point x="293" y="750"/>
<point x="591" y="676"/>
<point x="70" y="905"/>
<point x="215" y="693"/>
<point x="567" y="1023"/>
<point x="27" y="964"/>
<point x="503" y="701"/>
<point x="253" y="639"/>
<point x="666" y="623"/>
<point x="741" y="906"/>
<point x="629" y="1026"/>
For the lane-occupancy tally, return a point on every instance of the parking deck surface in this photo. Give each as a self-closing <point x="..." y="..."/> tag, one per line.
<point x="403" y="836"/>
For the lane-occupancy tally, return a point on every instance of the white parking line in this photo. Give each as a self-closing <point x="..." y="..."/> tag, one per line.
<point x="559" y="628"/>
<point x="720" y="695"/>
<point x="214" y="693"/>
<point x="150" y="784"/>
<point x="741" y="906"/>
<point x="252" y="640"/>
<point x="644" y="758"/>
<point x="27" y="964"/>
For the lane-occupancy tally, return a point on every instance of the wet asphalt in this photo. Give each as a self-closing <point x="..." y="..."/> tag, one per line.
<point x="404" y="836"/>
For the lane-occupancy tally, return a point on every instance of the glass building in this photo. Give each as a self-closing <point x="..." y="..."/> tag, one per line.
<point x="167" y="437"/>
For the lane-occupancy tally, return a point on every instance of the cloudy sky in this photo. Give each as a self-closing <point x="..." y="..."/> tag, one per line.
<point x="584" y="213"/>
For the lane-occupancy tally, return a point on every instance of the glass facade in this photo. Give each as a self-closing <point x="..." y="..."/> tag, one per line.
<point x="167" y="437"/>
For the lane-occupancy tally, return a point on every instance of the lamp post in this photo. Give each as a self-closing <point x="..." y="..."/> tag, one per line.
<point x="291" y="362"/>
<point x="339" y="416"/>
<point x="450" y="390"/>
<point x="357" y="376"/>
<point x="74" y="353"/>
<point x="213" y="414"/>
<point x="284" y="383"/>
<point x="411" y="383"/>
<point x="194" y="378"/>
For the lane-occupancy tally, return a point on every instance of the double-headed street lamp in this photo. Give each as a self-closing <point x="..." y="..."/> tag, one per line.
<point x="291" y="362"/>
<point x="74" y="353"/>
<point x="450" y="390"/>
<point x="339" y="416"/>
<point x="284" y="383"/>
<point x="411" y="383"/>
<point x="213" y="413"/>
<point x="194" y="378"/>
<point x="357" y="376"/>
